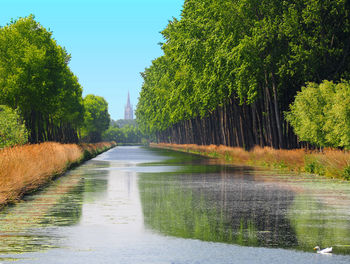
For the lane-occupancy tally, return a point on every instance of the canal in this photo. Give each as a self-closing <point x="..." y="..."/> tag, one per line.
<point x="143" y="205"/>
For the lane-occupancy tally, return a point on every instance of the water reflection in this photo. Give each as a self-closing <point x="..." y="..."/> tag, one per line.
<point x="67" y="211"/>
<point x="316" y="223"/>
<point x="139" y="205"/>
<point x="241" y="206"/>
<point x="29" y="226"/>
<point x="226" y="206"/>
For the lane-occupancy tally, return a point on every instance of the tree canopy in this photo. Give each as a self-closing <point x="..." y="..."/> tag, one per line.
<point x="96" y="118"/>
<point x="126" y="134"/>
<point x="35" y="79"/>
<point x="320" y="114"/>
<point x="243" y="58"/>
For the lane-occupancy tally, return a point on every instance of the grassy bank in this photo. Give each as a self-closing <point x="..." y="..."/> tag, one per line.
<point x="24" y="169"/>
<point x="330" y="163"/>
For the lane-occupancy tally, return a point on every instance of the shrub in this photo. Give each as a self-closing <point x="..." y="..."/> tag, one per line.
<point x="314" y="166"/>
<point x="346" y="173"/>
<point x="12" y="130"/>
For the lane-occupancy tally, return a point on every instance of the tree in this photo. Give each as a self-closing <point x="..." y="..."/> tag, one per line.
<point x="12" y="130"/>
<point x="230" y="68"/>
<point x="113" y="133"/>
<point x="337" y="114"/>
<point x="307" y="115"/>
<point x="96" y="118"/>
<point x="320" y="114"/>
<point x="36" y="80"/>
<point x="126" y="134"/>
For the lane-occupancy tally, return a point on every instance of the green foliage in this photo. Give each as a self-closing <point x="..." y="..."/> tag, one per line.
<point x="12" y="130"/>
<point x="314" y="166"/>
<point x="113" y="133"/>
<point x="36" y="80"/>
<point x="307" y="116"/>
<point x="346" y="173"/>
<point x="96" y="118"/>
<point x="320" y="114"/>
<point x="245" y="51"/>
<point x="126" y="134"/>
<point x="123" y="122"/>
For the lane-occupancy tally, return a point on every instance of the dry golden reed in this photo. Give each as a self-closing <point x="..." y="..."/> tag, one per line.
<point x="26" y="168"/>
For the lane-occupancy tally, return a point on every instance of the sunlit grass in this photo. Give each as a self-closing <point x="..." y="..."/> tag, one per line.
<point x="26" y="168"/>
<point x="331" y="162"/>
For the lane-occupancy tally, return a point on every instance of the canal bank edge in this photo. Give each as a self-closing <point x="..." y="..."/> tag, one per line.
<point x="331" y="163"/>
<point x="22" y="171"/>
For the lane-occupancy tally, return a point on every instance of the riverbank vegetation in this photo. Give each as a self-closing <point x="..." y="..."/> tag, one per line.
<point x="231" y="69"/>
<point x="41" y="100"/>
<point x="26" y="168"/>
<point x="331" y="162"/>
<point x="37" y="83"/>
<point x="12" y="130"/>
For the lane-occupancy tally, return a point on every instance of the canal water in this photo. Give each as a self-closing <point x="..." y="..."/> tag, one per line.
<point x="142" y="205"/>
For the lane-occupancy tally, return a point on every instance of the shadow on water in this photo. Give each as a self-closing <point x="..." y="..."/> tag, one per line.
<point x="30" y="225"/>
<point x="237" y="206"/>
<point x="217" y="206"/>
<point x="170" y="157"/>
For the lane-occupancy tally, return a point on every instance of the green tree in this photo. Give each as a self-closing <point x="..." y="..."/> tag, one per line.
<point x="320" y="114"/>
<point x="12" y="130"/>
<point x="230" y="68"/>
<point x="337" y="114"/>
<point x="131" y="134"/>
<point x="127" y="134"/>
<point x="307" y="115"/>
<point x="96" y="118"/>
<point x="36" y="80"/>
<point x="113" y="133"/>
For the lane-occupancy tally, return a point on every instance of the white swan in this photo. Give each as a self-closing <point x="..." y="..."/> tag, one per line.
<point x="323" y="251"/>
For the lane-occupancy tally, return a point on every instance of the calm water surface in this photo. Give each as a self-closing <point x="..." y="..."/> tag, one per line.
<point x="140" y="205"/>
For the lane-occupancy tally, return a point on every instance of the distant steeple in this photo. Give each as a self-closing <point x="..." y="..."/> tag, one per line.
<point x="128" y="113"/>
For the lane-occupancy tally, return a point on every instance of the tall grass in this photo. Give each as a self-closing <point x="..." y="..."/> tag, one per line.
<point x="26" y="168"/>
<point x="331" y="162"/>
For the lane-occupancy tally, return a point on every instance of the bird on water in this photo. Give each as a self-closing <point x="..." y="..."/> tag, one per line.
<point x="323" y="251"/>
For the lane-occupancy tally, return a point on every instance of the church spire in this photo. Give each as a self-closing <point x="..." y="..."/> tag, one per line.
<point x="128" y="113"/>
<point x="128" y="103"/>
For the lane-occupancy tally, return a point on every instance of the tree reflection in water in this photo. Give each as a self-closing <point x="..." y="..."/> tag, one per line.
<point x="232" y="205"/>
<point x="25" y="227"/>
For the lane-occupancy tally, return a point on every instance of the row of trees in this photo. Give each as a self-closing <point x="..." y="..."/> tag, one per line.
<point x="125" y="132"/>
<point x="35" y="79"/>
<point x="231" y="68"/>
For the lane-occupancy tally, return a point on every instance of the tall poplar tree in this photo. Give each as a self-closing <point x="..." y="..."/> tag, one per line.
<point x="231" y="68"/>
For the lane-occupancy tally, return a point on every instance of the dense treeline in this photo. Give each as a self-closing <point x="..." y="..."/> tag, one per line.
<point x="35" y="79"/>
<point x="123" y="131"/>
<point x="231" y="68"/>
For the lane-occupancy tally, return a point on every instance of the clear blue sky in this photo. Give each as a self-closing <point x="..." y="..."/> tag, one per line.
<point x="111" y="41"/>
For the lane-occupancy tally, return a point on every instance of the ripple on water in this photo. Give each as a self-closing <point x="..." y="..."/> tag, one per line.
<point x="139" y="205"/>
